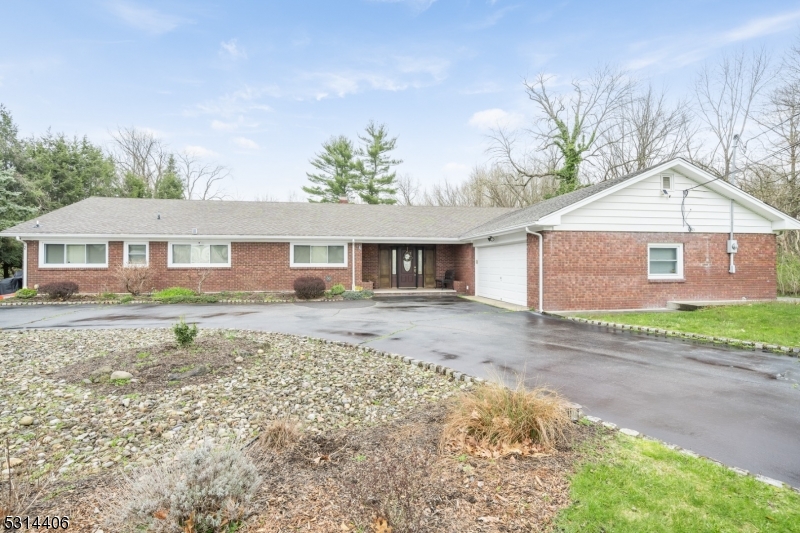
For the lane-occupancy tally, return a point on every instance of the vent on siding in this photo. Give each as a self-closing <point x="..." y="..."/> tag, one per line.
<point x="666" y="183"/>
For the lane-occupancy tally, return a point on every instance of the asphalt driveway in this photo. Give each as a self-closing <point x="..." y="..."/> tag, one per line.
<point x="739" y="407"/>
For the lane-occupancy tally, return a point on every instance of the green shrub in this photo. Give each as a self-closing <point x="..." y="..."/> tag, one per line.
<point x="788" y="274"/>
<point x="337" y="289"/>
<point x="204" y="490"/>
<point x="26" y="293"/>
<point x="184" y="334"/>
<point x="126" y="299"/>
<point x="173" y="292"/>
<point x="107" y="296"/>
<point x="356" y="295"/>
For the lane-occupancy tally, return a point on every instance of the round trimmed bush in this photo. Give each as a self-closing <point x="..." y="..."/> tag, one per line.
<point x="309" y="287"/>
<point x="59" y="290"/>
<point x="25" y="293"/>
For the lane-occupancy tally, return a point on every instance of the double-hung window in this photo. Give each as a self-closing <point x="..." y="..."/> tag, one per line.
<point x="136" y="254"/>
<point x="199" y="255"/>
<point x="318" y="255"/>
<point x="665" y="261"/>
<point x="73" y="255"/>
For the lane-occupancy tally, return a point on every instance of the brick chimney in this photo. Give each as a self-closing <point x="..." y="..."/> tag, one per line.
<point x="343" y="200"/>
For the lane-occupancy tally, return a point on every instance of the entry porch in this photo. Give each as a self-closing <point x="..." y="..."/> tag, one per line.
<point x="416" y="267"/>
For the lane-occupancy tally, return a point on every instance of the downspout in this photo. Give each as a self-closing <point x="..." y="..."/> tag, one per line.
<point x="353" y="285"/>
<point x="24" y="263"/>
<point x="732" y="245"/>
<point x="541" y="266"/>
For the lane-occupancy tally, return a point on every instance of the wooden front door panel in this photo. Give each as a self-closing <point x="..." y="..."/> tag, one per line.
<point x="406" y="267"/>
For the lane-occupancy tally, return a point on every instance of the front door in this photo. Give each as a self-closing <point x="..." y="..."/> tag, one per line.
<point x="406" y="267"/>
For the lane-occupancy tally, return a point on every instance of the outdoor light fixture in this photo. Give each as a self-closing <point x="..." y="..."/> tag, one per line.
<point x="491" y="239"/>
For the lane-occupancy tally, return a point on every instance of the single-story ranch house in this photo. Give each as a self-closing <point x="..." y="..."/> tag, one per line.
<point x="670" y="232"/>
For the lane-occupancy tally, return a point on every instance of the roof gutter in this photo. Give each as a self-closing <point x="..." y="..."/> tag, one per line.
<point x="541" y="263"/>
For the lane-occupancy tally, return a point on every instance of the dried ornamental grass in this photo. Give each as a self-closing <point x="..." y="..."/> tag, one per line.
<point x="280" y="435"/>
<point x="495" y="420"/>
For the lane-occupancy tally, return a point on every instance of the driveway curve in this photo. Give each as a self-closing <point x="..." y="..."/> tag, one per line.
<point x="739" y="407"/>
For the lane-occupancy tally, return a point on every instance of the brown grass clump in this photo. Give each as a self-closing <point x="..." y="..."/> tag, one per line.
<point x="280" y="435"/>
<point x="494" y="420"/>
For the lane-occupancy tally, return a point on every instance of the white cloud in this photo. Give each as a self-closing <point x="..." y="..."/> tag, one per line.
<point x="675" y="52"/>
<point x="199" y="151"/>
<point x="762" y="26"/>
<point x="146" y="18"/>
<point x="400" y="74"/>
<point x="239" y="102"/>
<point x="232" y="49"/>
<point x="492" y="19"/>
<point x="245" y="143"/>
<point x="494" y="118"/>
<point x="417" y="5"/>
<point x="455" y="171"/>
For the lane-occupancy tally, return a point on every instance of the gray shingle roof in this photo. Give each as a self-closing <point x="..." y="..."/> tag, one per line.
<point x="528" y="216"/>
<point x="129" y="216"/>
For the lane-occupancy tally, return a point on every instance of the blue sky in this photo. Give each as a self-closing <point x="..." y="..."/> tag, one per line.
<point x="258" y="86"/>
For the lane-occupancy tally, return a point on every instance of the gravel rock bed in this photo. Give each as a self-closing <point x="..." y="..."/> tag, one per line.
<point x="81" y="429"/>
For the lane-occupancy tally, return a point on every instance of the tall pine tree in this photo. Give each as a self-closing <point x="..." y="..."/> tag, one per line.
<point x="375" y="184"/>
<point x="336" y="172"/>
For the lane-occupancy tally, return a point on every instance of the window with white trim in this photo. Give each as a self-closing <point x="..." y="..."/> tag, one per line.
<point x="199" y="254"/>
<point x="318" y="255"/>
<point x="73" y="255"/>
<point x="665" y="261"/>
<point x="137" y="254"/>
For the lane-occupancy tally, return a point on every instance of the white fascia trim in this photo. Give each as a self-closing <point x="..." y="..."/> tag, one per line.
<point x="292" y="264"/>
<point x="146" y="252"/>
<point x="198" y="265"/>
<point x="239" y="238"/>
<point x="43" y="265"/>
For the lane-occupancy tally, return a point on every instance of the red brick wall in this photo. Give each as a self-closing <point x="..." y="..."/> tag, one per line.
<point x="445" y="259"/>
<point x="255" y="266"/>
<point x="596" y="270"/>
<point x="465" y="266"/>
<point x="370" y="271"/>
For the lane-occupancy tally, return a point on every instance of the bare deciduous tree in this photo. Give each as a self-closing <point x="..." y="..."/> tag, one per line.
<point x="569" y="128"/>
<point x="139" y="153"/>
<point x="201" y="180"/>
<point x="491" y="186"/>
<point x="646" y="131"/>
<point x="408" y="190"/>
<point x="726" y="94"/>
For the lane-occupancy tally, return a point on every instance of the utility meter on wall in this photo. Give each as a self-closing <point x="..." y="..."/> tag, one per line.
<point x="733" y="246"/>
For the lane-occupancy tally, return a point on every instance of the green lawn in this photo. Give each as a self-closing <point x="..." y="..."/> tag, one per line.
<point x="636" y="485"/>
<point x="770" y="323"/>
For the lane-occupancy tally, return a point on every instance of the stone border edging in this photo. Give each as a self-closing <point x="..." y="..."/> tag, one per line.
<point x="574" y="409"/>
<point x="742" y="472"/>
<point x="738" y="343"/>
<point x="117" y="302"/>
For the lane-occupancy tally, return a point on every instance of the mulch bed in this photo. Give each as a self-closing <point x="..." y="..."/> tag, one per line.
<point x="152" y="366"/>
<point x="334" y="482"/>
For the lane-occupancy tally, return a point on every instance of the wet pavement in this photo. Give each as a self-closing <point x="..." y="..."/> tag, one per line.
<point x="739" y="407"/>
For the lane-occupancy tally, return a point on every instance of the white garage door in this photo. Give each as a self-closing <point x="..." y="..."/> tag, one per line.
<point x="502" y="273"/>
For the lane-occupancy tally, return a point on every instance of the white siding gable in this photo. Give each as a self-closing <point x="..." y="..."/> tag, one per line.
<point x="643" y="207"/>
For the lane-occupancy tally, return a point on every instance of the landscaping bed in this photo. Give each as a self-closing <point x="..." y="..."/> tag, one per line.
<point x="775" y="323"/>
<point x="82" y="423"/>
<point x="337" y="438"/>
